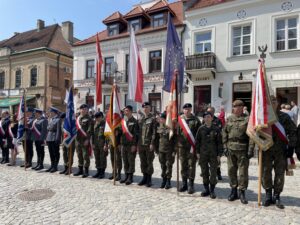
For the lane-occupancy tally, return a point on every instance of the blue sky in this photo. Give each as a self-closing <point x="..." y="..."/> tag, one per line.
<point x="87" y="15"/>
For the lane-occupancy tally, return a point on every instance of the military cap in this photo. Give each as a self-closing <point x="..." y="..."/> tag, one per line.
<point x="187" y="105"/>
<point x="53" y="109"/>
<point x="99" y="114"/>
<point x="238" y="103"/>
<point x="29" y="109"/>
<point x="129" y="107"/>
<point x="63" y="115"/>
<point x="163" y="115"/>
<point x="145" y="104"/>
<point x="206" y="114"/>
<point x="36" y="110"/>
<point x="83" y="106"/>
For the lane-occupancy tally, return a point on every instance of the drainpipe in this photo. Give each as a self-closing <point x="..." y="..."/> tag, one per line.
<point x="45" y="87"/>
<point x="9" y="81"/>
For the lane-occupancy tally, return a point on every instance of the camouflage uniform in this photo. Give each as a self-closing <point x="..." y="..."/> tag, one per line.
<point x="147" y="125"/>
<point x="99" y="153"/>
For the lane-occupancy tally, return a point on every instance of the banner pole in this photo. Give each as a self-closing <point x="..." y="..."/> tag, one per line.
<point x="259" y="176"/>
<point x="69" y="159"/>
<point x="25" y="132"/>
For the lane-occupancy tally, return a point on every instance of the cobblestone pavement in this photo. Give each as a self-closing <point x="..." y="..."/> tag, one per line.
<point x="92" y="201"/>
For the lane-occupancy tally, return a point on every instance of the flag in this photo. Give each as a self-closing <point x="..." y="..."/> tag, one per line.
<point x="174" y="58"/>
<point x="262" y="115"/>
<point x="113" y="116"/>
<point x="172" y="112"/>
<point x="70" y="130"/>
<point x="21" y="119"/>
<point x="66" y="97"/>
<point x="99" y="63"/>
<point x="135" y="78"/>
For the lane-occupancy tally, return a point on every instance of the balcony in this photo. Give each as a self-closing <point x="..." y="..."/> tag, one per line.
<point x="119" y="77"/>
<point x="201" y="61"/>
<point x="85" y="83"/>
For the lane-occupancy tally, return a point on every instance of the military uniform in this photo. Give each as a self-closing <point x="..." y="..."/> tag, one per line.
<point x="117" y="150"/>
<point x="147" y="125"/>
<point x="99" y="153"/>
<point x="276" y="157"/>
<point x="4" y="135"/>
<point x="29" y="143"/>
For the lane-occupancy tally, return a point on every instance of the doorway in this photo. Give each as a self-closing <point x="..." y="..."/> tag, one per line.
<point x="202" y="99"/>
<point x="243" y="91"/>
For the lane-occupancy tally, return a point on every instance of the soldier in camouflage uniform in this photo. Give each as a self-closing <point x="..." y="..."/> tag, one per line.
<point x="129" y="141"/>
<point x="166" y="151"/>
<point x="99" y="141"/>
<point x="117" y="150"/>
<point x="187" y="158"/>
<point x="209" y="149"/>
<point x="276" y="157"/>
<point x="238" y="150"/>
<point x="147" y="125"/>
<point x="84" y="133"/>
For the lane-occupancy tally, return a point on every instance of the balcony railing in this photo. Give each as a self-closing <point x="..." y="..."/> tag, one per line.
<point x="119" y="77"/>
<point x="200" y="61"/>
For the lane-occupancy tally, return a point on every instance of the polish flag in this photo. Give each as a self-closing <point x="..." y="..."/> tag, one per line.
<point x="135" y="78"/>
<point x="99" y="63"/>
<point x="172" y="112"/>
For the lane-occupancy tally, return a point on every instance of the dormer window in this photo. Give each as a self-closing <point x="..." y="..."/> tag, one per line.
<point x="113" y="30"/>
<point x="136" y="24"/>
<point x="159" y="20"/>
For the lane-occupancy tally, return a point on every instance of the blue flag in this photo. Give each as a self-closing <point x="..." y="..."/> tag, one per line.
<point x="20" y="118"/>
<point x="174" y="58"/>
<point x="70" y="130"/>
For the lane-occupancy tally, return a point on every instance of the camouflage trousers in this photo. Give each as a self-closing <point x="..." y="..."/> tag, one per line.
<point x="128" y="159"/>
<point x="82" y="154"/>
<point x="146" y="159"/>
<point x="166" y="160"/>
<point x="273" y="158"/>
<point x="238" y="161"/>
<point x="66" y="152"/>
<point x="118" y="158"/>
<point x="187" y="162"/>
<point x="100" y="157"/>
<point x="209" y="164"/>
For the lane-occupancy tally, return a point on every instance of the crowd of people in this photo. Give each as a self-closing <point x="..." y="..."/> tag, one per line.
<point x="195" y="141"/>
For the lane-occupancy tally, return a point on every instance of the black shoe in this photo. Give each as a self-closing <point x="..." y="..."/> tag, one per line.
<point x="125" y="179"/>
<point x="206" y="191"/>
<point x="11" y="164"/>
<point x="219" y="174"/>
<point x="144" y="180"/>
<point x="277" y="201"/>
<point x="130" y="179"/>
<point x="54" y="169"/>
<point x="184" y="186"/>
<point x="243" y="197"/>
<point x="36" y="166"/>
<point x="149" y="180"/>
<point x="2" y="161"/>
<point x="268" y="200"/>
<point x="64" y="171"/>
<point x="191" y="186"/>
<point x="163" y="183"/>
<point x="69" y="171"/>
<point x="111" y="177"/>
<point x="118" y="177"/>
<point x="212" y="191"/>
<point x="79" y="172"/>
<point x="23" y="165"/>
<point x="168" y="184"/>
<point x="97" y="174"/>
<point x="102" y="174"/>
<point x="40" y="167"/>
<point x="233" y="195"/>
<point x="86" y="172"/>
<point x="48" y="170"/>
<point x="28" y="165"/>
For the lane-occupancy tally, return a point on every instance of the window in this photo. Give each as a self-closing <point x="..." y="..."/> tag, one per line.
<point x="159" y="20"/>
<point x="203" y="42"/>
<point x="286" y="34"/>
<point x="155" y="61"/>
<point x="18" y="79"/>
<point x="135" y="24"/>
<point x="90" y="69"/>
<point x="131" y="102"/>
<point x="241" y="40"/>
<point x="127" y="67"/>
<point x="106" y="102"/>
<point x="108" y="65"/>
<point x="155" y="102"/>
<point x="67" y="83"/>
<point x="33" y="80"/>
<point x="2" y="80"/>
<point x="202" y="99"/>
<point x="113" y="30"/>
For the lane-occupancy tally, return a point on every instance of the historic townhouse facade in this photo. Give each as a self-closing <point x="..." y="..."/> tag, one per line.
<point x="149" y="21"/>
<point x="221" y="42"/>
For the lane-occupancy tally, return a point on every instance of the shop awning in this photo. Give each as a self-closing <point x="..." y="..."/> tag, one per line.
<point x="6" y="102"/>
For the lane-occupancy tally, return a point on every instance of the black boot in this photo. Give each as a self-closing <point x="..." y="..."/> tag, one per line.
<point x="125" y="178"/>
<point x="69" y="171"/>
<point x="191" y="186"/>
<point x="149" y="180"/>
<point x="40" y="167"/>
<point x="36" y="166"/>
<point x="277" y="201"/>
<point x="184" y="186"/>
<point x="97" y="174"/>
<point x="65" y="170"/>
<point x="54" y="169"/>
<point x="212" y="191"/>
<point x="2" y="161"/>
<point x="130" y="179"/>
<point x="111" y="176"/>
<point x="219" y="174"/>
<point x="86" y="172"/>
<point x="243" y="197"/>
<point x="233" y="195"/>
<point x="163" y="183"/>
<point x="28" y="165"/>
<point x="50" y="168"/>
<point x="206" y="190"/>
<point x="118" y="177"/>
<point x="268" y="200"/>
<point x="144" y="180"/>
<point x="102" y="174"/>
<point x="79" y="172"/>
<point x="168" y="184"/>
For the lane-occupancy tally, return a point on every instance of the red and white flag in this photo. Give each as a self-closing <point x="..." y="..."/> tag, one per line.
<point x="99" y="62"/>
<point x="172" y="112"/>
<point x="135" y="78"/>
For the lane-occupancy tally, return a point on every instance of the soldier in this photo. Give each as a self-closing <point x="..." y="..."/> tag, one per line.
<point x="188" y="127"/>
<point x="84" y="126"/>
<point x="54" y="138"/>
<point x="100" y="152"/>
<point x="217" y="122"/>
<point x="276" y="157"/>
<point x="238" y="150"/>
<point x="4" y="135"/>
<point x="147" y="125"/>
<point x="209" y="149"/>
<point x="39" y="134"/>
<point x="66" y="151"/>
<point x="28" y="137"/>
<point x="129" y="141"/>
<point x="117" y="150"/>
<point x="165" y="149"/>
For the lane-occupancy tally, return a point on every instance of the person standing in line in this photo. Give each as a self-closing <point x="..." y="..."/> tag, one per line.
<point x="12" y="140"/>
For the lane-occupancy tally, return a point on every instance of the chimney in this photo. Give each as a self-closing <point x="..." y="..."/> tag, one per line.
<point x="67" y="31"/>
<point x="40" y="24"/>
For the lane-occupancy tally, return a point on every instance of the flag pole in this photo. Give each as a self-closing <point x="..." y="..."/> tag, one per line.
<point x="69" y="159"/>
<point x="115" y="157"/>
<point x="259" y="175"/>
<point x="177" y="150"/>
<point x="25" y="127"/>
<point x="113" y="132"/>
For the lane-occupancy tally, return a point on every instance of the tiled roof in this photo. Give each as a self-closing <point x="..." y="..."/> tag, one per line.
<point x="158" y="6"/>
<point x="207" y="3"/>
<point x="136" y="11"/>
<point x="116" y="16"/>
